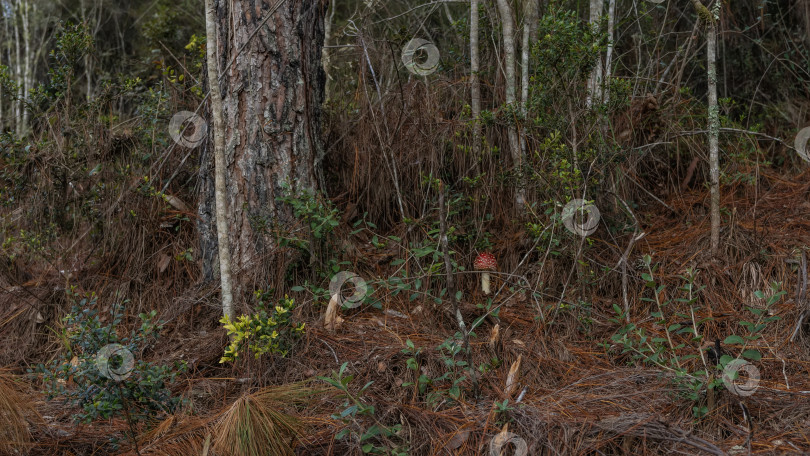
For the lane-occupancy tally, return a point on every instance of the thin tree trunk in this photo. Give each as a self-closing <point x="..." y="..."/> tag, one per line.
<point x="595" y="80"/>
<point x="475" y="85"/>
<point x="18" y="73"/>
<point x="88" y="62"/>
<point x="710" y="18"/>
<point x="508" y="26"/>
<point x="609" y="56"/>
<point x="327" y="27"/>
<point x="219" y="161"/>
<point x="714" y="132"/>
<point x="27" y="61"/>
<point x="529" y="24"/>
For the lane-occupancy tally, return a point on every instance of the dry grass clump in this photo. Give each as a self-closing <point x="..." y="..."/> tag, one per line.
<point x="15" y="435"/>
<point x="261" y="423"/>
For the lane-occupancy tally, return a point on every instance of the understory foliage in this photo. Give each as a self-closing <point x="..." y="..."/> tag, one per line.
<point x="137" y="391"/>
<point x="269" y="330"/>
<point x="94" y="192"/>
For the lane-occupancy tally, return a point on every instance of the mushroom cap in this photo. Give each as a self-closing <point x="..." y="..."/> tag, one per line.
<point x="485" y="262"/>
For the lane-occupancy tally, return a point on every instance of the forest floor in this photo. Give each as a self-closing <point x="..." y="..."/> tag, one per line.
<point x="573" y="389"/>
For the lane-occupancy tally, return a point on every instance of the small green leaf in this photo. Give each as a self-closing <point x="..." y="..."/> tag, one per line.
<point x="753" y="355"/>
<point x="733" y="339"/>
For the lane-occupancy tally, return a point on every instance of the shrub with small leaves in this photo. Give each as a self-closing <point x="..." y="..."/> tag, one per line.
<point x="143" y="392"/>
<point x="270" y="330"/>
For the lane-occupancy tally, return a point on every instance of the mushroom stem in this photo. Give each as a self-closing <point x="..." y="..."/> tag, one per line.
<point x="485" y="282"/>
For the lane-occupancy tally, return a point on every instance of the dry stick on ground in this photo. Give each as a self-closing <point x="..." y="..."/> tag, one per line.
<point x="219" y="161"/>
<point x="801" y="292"/>
<point x="451" y="287"/>
<point x="640" y="425"/>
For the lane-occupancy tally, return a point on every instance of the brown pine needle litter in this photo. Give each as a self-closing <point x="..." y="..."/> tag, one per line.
<point x="262" y="423"/>
<point x="15" y="413"/>
<point x="580" y="397"/>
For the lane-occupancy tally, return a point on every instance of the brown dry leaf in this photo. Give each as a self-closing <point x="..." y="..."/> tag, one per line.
<point x="163" y="262"/>
<point x="512" y="378"/>
<point x="495" y="334"/>
<point x="458" y="439"/>
<point x="177" y="203"/>
<point x="331" y="319"/>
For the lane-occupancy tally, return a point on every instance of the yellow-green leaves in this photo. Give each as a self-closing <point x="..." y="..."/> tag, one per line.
<point x="262" y="332"/>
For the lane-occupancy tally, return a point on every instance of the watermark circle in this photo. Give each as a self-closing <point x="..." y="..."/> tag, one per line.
<point x="500" y="441"/>
<point x="569" y="214"/>
<point x="730" y="374"/>
<point x="657" y="2"/>
<point x="409" y="53"/>
<point x="800" y="143"/>
<point x="180" y="133"/>
<point x="119" y="372"/>
<point x="360" y="289"/>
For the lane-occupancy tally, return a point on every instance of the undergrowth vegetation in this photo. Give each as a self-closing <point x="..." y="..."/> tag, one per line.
<point x="587" y="343"/>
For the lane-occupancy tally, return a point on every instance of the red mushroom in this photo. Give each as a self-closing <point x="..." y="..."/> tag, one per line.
<point x="485" y="262"/>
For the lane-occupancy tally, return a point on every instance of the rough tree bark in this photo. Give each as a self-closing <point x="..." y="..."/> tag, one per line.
<point x="272" y="90"/>
<point x="220" y="205"/>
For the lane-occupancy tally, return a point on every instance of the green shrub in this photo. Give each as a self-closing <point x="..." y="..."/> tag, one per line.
<point x="137" y="393"/>
<point x="266" y="331"/>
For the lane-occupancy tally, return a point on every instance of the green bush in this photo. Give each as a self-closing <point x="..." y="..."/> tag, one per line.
<point x="266" y="331"/>
<point x="138" y="393"/>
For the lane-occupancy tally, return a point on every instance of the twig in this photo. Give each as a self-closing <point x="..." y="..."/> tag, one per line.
<point x="623" y="260"/>
<point x="451" y="287"/>
<point x="801" y="292"/>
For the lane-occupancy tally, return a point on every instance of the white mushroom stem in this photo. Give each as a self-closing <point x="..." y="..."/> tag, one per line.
<point x="485" y="282"/>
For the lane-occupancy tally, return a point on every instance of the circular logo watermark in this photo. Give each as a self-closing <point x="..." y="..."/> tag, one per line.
<point x="800" y="143"/>
<point x="572" y="210"/>
<point x="657" y="2"/>
<point x="731" y="377"/>
<point x="360" y="289"/>
<point x="412" y="55"/>
<point x="502" y="440"/>
<point x="187" y="135"/>
<point x="110" y="367"/>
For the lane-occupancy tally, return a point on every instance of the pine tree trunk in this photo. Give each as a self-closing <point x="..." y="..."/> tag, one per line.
<point x="272" y="90"/>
